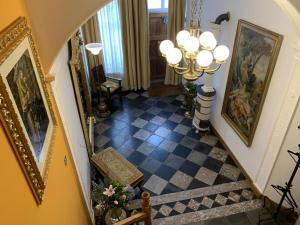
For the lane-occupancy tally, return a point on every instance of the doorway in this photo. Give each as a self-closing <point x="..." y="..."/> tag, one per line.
<point x="158" y="21"/>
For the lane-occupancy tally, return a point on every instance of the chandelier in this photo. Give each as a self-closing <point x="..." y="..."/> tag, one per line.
<point x="197" y="53"/>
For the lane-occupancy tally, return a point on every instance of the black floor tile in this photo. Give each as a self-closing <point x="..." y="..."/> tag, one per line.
<point x="165" y="114"/>
<point x="165" y="172"/>
<point x="137" y="158"/>
<point x="213" y="164"/>
<point x="133" y="142"/>
<point x="170" y="188"/>
<point x="147" y="116"/>
<point x="159" y="154"/>
<point x="182" y="151"/>
<point x="197" y="184"/>
<point x="222" y="180"/>
<point x="189" y="168"/>
<point x="174" y="136"/>
<point x="203" y="148"/>
<point x="169" y="124"/>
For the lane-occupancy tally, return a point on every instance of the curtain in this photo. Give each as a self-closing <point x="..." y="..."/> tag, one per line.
<point x="135" y="34"/>
<point x="110" y="32"/>
<point x="176" y="16"/>
<point x="91" y="33"/>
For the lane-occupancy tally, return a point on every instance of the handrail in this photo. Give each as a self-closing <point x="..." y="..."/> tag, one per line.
<point x="132" y="219"/>
<point x="145" y="214"/>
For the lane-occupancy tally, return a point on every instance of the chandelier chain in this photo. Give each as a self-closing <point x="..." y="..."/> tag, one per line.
<point x="197" y="8"/>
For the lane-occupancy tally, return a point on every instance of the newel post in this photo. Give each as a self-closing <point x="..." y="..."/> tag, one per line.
<point x="146" y="207"/>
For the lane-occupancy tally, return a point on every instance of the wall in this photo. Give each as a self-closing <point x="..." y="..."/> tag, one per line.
<point x="65" y="99"/>
<point x="54" y="21"/>
<point x="252" y="158"/>
<point x="63" y="201"/>
<point x="296" y="3"/>
<point x="284" y="164"/>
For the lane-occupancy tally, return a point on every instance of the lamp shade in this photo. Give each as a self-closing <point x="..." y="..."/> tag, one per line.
<point x="208" y="40"/>
<point x="191" y="45"/>
<point x="204" y="58"/>
<point x="182" y="37"/>
<point x="94" y="48"/>
<point x="174" y="56"/>
<point x="221" y="53"/>
<point x="165" y="46"/>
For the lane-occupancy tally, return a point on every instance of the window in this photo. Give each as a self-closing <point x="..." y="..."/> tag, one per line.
<point x="158" y="5"/>
<point x="111" y="37"/>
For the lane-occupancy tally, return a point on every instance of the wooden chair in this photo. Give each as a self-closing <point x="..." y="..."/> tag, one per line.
<point x="107" y="85"/>
<point x="145" y="215"/>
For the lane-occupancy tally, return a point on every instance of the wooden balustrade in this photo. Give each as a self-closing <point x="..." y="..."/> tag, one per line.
<point x="139" y="217"/>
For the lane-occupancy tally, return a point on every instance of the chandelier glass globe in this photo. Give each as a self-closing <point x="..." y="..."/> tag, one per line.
<point x="165" y="46"/>
<point x="191" y="45"/>
<point x="221" y="53"/>
<point x="182" y="37"/>
<point x="174" y="56"/>
<point x="208" y="40"/>
<point x="204" y="58"/>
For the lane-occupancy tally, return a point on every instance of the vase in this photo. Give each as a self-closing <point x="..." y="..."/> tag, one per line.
<point x="115" y="215"/>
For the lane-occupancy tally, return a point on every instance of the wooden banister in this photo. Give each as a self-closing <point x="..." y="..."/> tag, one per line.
<point x="145" y="214"/>
<point x="146" y="208"/>
<point x="132" y="219"/>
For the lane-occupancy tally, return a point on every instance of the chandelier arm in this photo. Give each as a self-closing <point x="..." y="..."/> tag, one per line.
<point x="180" y="72"/>
<point x="184" y="59"/>
<point x="178" y="67"/>
<point x="199" y="69"/>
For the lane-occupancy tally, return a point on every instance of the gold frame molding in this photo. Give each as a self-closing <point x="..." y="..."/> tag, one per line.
<point x="278" y="41"/>
<point x="80" y="81"/>
<point x="10" y="39"/>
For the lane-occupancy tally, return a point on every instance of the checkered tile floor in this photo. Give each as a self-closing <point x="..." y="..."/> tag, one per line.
<point x="201" y="203"/>
<point x="153" y="134"/>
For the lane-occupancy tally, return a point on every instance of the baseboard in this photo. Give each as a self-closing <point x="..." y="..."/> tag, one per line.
<point x="256" y="190"/>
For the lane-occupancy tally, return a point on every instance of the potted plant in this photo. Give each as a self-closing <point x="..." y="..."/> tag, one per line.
<point x="111" y="197"/>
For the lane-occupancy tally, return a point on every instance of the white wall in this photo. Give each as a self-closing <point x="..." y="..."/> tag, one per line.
<point x="65" y="98"/>
<point x="266" y="14"/>
<point x="284" y="165"/>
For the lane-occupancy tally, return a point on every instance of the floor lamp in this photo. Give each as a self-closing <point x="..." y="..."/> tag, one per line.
<point x="95" y="49"/>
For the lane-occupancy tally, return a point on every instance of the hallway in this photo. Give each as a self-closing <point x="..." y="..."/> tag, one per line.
<point x="184" y="173"/>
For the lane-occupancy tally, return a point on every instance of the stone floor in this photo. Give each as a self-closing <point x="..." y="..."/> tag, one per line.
<point x="191" y="178"/>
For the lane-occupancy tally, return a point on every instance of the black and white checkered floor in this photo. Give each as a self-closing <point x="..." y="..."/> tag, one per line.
<point x="153" y="134"/>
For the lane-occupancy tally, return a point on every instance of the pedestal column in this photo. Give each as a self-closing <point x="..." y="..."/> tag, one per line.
<point x="204" y="100"/>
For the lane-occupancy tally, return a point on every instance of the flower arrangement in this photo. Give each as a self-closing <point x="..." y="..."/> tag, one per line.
<point x="111" y="195"/>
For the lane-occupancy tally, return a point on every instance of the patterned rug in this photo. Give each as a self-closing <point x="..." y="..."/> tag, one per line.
<point x="190" y="177"/>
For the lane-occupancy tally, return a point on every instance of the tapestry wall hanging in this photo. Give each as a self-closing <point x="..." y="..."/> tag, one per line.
<point x="253" y="60"/>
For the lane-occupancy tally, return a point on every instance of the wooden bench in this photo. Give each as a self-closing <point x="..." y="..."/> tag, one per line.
<point x="114" y="166"/>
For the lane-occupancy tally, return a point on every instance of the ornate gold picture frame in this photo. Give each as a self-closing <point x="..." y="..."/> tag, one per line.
<point x="25" y="107"/>
<point x="253" y="60"/>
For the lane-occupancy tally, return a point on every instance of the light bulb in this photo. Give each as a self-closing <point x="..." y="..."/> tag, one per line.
<point x="174" y="56"/>
<point x="204" y="58"/>
<point x="221" y="53"/>
<point x="208" y="40"/>
<point x="182" y="37"/>
<point x="94" y="48"/>
<point x="192" y="44"/>
<point x="165" y="46"/>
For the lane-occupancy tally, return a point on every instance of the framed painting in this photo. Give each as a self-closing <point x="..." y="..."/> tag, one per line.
<point x="253" y="60"/>
<point x="82" y="89"/>
<point x="25" y="108"/>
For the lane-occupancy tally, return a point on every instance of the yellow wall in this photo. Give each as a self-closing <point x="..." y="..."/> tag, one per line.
<point x="63" y="203"/>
